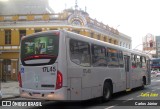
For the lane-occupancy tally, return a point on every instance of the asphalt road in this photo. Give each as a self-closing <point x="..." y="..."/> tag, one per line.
<point x="119" y="100"/>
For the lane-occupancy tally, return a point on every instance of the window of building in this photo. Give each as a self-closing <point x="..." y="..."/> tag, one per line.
<point x="99" y="56"/>
<point x="6" y="66"/>
<point x="120" y="57"/>
<point x="158" y="49"/>
<point x="123" y="44"/>
<point x="22" y="33"/>
<point x="80" y="53"/>
<point x="115" y="41"/>
<point x="22" y="18"/>
<point x="7" y="36"/>
<point x="98" y="37"/>
<point x="120" y="43"/>
<point x="104" y="38"/>
<point x="158" y="45"/>
<point x="7" y="18"/>
<point x="110" y="40"/>
<point x="38" y="17"/>
<point x="92" y="34"/>
<point x="38" y="30"/>
<point x="76" y="31"/>
<point x="112" y="57"/>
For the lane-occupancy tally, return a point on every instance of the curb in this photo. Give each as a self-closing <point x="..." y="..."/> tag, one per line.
<point x="10" y="97"/>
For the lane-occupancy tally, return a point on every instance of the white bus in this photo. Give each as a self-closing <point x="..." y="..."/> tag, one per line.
<point x="61" y="65"/>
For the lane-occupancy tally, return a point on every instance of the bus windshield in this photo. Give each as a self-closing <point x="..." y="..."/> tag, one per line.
<point x="38" y="47"/>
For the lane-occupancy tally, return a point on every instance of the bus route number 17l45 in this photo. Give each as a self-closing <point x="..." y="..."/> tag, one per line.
<point x="49" y="69"/>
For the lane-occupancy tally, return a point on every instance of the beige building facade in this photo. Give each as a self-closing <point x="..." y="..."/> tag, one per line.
<point x="13" y="27"/>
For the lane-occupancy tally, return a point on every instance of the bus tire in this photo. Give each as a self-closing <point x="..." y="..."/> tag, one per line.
<point x="107" y="91"/>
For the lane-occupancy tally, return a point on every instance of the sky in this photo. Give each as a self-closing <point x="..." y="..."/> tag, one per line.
<point x="135" y="18"/>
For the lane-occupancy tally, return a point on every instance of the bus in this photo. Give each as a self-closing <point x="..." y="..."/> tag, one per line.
<point x="155" y="64"/>
<point x="62" y="65"/>
<point x="155" y="67"/>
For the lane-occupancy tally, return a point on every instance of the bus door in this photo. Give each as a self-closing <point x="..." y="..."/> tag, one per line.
<point x="127" y="70"/>
<point x="148" y="71"/>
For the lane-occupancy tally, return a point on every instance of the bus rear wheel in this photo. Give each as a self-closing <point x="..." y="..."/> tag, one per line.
<point x="107" y="91"/>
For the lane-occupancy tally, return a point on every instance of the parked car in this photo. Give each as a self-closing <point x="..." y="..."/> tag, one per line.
<point x="153" y="72"/>
<point x="158" y="74"/>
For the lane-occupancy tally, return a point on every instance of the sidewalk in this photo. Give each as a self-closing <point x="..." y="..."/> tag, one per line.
<point x="10" y="89"/>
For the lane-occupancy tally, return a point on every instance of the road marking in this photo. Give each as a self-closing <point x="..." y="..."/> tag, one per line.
<point x="155" y="80"/>
<point x="111" y="106"/>
<point x="125" y="101"/>
<point x="138" y="95"/>
<point x="128" y="100"/>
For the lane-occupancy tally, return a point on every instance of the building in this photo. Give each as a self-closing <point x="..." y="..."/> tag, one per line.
<point x="149" y="45"/>
<point x="14" y="26"/>
<point x="157" y="46"/>
<point x="125" y="41"/>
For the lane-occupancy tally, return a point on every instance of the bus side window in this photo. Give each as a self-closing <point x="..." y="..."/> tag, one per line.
<point x="99" y="56"/>
<point x="143" y="59"/>
<point x="133" y="59"/>
<point x="80" y="53"/>
<point x="120" y="57"/>
<point x="138" y="61"/>
<point x="112" y="57"/>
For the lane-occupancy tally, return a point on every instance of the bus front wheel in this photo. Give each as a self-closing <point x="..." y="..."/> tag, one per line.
<point x="107" y="91"/>
<point x="143" y="83"/>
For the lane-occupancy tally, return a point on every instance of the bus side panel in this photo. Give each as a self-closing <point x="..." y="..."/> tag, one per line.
<point x="75" y="88"/>
<point x="118" y="77"/>
<point x="92" y="78"/>
<point x="134" y="77"/>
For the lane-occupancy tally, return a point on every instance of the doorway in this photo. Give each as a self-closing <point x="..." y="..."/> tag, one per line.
<point x="127" y="70"/>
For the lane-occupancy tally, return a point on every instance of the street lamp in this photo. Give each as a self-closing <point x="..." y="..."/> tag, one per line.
<point x="117" y="26"/>
<point x="150" y="44"/>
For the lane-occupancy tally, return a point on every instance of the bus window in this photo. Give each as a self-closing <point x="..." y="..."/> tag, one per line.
<point x="138" y="62"/>
<point x="112" y="57"/>
<point x="133" y="59"/>
<point x="99" y="56"/>
<point x="80" y="52"/>
<point x="120" y="57"/>
<point x="39" y="50"/>
<point x="143" y="60"/>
